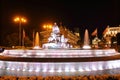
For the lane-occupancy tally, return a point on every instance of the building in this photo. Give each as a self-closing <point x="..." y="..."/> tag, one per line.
<point x="110" y="33"/>
<point x="95" y="42"/>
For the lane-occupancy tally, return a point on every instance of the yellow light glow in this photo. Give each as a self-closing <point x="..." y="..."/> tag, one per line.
<point x="44" y="26"/>
<point x="47" y="26"/>
<point x="20" y="19"/>
<point x="50" y="26"/>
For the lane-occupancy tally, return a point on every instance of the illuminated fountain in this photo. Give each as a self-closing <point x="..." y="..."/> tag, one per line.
<point x="57" y="59"/>
<point x="86" y="40"/>
<point x="56" y="41"/>
<point x="37" y="41"/>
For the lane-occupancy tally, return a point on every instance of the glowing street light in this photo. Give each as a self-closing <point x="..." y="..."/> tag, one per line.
<point x="48" y="26"/>
<point x="20" y="20"/>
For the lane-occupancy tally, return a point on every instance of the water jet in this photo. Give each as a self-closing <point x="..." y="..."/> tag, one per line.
<point x="37" y="41"/>
<point x="86" y="44"/>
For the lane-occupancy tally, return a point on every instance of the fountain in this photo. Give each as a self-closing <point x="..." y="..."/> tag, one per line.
<point x="58" y="58"/>
<point x="86" y="40"/>
<point x="37" y="41"/>
<point x="56" y="40"/>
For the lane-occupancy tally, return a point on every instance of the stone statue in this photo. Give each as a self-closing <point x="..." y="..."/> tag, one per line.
<point x="56" y="40"/>
<point x="55" y="29"/>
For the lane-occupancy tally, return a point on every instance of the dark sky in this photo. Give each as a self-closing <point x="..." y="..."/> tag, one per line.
<point x="80" y="14"/>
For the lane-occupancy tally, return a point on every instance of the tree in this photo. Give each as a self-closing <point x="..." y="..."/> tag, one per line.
<point x="13" y="40"/>
<point x="28" y="42"/>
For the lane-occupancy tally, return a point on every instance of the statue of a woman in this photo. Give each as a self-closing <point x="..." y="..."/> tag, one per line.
<point x="55" y="29"/>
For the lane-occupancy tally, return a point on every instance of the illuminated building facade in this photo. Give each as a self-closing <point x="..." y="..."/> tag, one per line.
<point x="95" y="42"/>
<point x="110" y="33"/>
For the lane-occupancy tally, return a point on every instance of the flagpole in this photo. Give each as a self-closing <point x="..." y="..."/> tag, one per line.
<point x="33" y="37"/>
<point x="23" y="38"/>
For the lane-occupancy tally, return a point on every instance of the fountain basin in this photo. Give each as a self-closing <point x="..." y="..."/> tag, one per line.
<point x="60" y="53"/>
<point x="47" y="62"/>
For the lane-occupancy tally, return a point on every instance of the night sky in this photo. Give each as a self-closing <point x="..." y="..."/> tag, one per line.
<point x="73" y="14"/>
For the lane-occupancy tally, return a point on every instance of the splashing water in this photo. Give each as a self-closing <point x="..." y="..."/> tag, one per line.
<point x="86" y="40"/>
<point x="37" y="41"/>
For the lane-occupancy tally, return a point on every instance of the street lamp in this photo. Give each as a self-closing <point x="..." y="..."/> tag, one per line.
<point x="47" y="26"/>
<point x="20" y="20"/>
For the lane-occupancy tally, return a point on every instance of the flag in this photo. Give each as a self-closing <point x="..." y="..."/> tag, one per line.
<point x="23" y="37"/>
<point x="23" y="33"/>
<point x="33" y="37"/>
<point x="94" y="33"/>
<point x="106" y="30"/>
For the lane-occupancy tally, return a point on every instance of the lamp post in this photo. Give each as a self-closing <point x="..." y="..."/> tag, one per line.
<point x="20" y="20"/>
